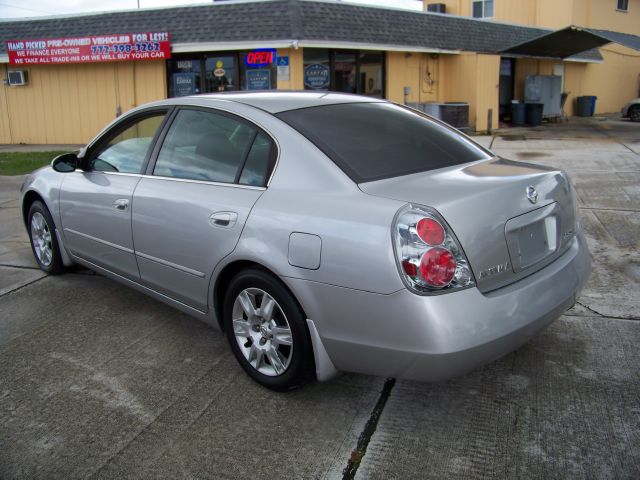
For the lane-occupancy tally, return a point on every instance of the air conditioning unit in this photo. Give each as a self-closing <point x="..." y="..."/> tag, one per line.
<point x="437" y="8"/>
<point x="17" y="77"/>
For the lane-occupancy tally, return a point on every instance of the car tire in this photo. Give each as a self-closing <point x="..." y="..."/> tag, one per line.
<point x="267" y="331"/>
<point x="634" y="114"/>
<point x="42" y="236"/>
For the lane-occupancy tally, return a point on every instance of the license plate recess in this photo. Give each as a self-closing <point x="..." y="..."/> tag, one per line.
<point x="533" y="236"/>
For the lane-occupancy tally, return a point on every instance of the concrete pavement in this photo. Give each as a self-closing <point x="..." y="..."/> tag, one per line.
<point x="99" y="381"/>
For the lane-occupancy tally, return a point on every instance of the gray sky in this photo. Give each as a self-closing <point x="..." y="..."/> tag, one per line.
<point x="36" y="8"/>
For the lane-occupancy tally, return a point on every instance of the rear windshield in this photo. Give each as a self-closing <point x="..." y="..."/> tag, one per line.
<point x="371" y="141"/>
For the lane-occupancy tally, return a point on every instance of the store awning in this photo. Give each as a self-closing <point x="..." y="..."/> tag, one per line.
<point x="624" y="39"/>
<point x="560" y="44"/>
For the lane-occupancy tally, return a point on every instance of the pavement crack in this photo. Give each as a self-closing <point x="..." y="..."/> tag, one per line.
<point x="598" y="314"/>
<point x="18" y="266"/>
<point x="631" y="210"/>
<point x="590" y="309"/>
<point x="4" y="294"/>
<point x="359" y="452"/>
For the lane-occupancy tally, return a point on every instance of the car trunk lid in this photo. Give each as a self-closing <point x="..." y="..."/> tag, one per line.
<point x="510" y="218"/>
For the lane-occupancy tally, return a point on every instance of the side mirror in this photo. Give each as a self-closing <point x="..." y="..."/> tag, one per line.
<point x="67" y="162"/>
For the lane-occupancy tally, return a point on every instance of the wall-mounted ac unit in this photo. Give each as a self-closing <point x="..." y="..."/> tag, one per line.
<point x="437" y="7"/>
<point x="17" y="77"/>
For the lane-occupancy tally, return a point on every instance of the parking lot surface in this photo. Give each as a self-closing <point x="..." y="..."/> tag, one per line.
<point x="99" y="381"/>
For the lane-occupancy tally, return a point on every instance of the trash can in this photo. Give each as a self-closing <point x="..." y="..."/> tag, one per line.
<point x="534" y="113"/>
<point x="593" y="104"/>
<point x="518" y="113"/>
<point x="586" y="106"/>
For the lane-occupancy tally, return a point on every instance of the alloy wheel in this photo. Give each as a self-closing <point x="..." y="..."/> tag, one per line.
<point x="41" y="239"/>
<point x="262" y="332"/>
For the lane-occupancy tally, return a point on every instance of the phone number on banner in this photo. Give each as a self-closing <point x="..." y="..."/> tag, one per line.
<point x="127" y="48"/>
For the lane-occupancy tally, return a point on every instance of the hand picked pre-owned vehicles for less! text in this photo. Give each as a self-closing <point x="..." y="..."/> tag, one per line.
<point x="322" y="232"/>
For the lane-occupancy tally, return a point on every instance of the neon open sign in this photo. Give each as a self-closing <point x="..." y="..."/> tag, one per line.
<point x="260" y="58"/>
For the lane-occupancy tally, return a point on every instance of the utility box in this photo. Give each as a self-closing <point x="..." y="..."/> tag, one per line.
<point x="545" y="89"/>
<point x="455" y="114"/>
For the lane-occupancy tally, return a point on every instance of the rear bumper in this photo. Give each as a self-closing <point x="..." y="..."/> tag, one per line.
<point x="404" y="335"/>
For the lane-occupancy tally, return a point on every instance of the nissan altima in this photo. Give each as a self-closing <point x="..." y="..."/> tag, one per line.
<point x="321" y="232"/>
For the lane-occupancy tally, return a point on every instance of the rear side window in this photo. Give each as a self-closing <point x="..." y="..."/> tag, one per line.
<point x="213" y="147"/>
<point x="372" y="141"/>
<point x="258" y="162"/>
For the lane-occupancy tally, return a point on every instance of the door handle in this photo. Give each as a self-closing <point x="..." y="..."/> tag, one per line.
<point x="223" y="219"/>
<point x="121" y="204"/>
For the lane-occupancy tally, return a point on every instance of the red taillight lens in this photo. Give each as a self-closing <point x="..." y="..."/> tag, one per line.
<point x="430" y="231"/>
<point x="409" y="268"/>
<point x="429" y="257"/>
<point x="437" y="267"/>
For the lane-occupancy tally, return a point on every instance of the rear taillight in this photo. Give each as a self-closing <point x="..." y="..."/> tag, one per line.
<point x="429" y="257"/>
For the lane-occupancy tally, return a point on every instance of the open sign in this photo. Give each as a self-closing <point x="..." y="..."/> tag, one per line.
<point x="260" y="58"/>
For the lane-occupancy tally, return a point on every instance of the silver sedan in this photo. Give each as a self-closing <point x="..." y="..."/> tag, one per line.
<point x="321" y="232"/>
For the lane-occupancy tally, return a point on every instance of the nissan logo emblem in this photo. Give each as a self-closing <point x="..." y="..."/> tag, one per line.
<point x="532" y="194"/>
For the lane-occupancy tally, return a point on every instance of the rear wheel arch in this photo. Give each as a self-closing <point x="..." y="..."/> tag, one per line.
<point x="273" y="346"/>
<point x="226" y="275"/>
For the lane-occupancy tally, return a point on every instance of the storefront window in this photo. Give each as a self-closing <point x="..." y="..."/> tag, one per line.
<point x="209" y="73"/>
<point x="316" y="69"/>
<point x="348" y="71"/>
<point x="262" y="77"/>
<point x="184" y="77"/>
<point x="220" y="74"/>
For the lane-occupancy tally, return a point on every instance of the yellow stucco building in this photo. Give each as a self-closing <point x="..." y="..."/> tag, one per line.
<point x="614" y="80"/>
<point x="418" y="58"/>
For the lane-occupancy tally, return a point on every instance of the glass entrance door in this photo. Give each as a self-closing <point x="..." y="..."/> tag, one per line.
<point x="371" y="74"/>
<point x="220" y="74"/>
<point x="344" y="72"/>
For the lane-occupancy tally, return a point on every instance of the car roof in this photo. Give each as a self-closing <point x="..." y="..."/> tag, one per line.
<point x="280" y="101"/>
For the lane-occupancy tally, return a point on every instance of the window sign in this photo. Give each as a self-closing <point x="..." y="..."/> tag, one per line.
<point x="258" y="79"/>
<point x="284" y="74"/>
<point x="102" y="48"/>
<point x="263" y="57"/>
<point x="184" y="84"/>
<point x="316" y="76"/>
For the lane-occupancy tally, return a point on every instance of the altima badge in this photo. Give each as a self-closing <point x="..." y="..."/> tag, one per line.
<point x="532" y="194"/>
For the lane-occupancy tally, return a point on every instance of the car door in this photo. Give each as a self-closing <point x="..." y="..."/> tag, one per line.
<point x="189" y="211"/>
<point x="95" y="202"/>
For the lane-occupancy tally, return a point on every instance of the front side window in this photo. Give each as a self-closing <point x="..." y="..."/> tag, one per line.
<point x="482" y="8"/>
<point x="214" y="147"/>
<point x="372" y="141"/>
<point x="126" y="151"/>
<point x="623" y="5"/>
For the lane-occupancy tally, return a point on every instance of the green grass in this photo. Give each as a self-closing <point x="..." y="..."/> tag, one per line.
<point x="19" y="163"/>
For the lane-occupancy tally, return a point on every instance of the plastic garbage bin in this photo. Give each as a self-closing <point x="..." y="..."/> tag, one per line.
<point x="586" y="106"/>
<point x="534" y="113"/>
<point x="518" y="113"/>
<point x="593" y="104"/>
